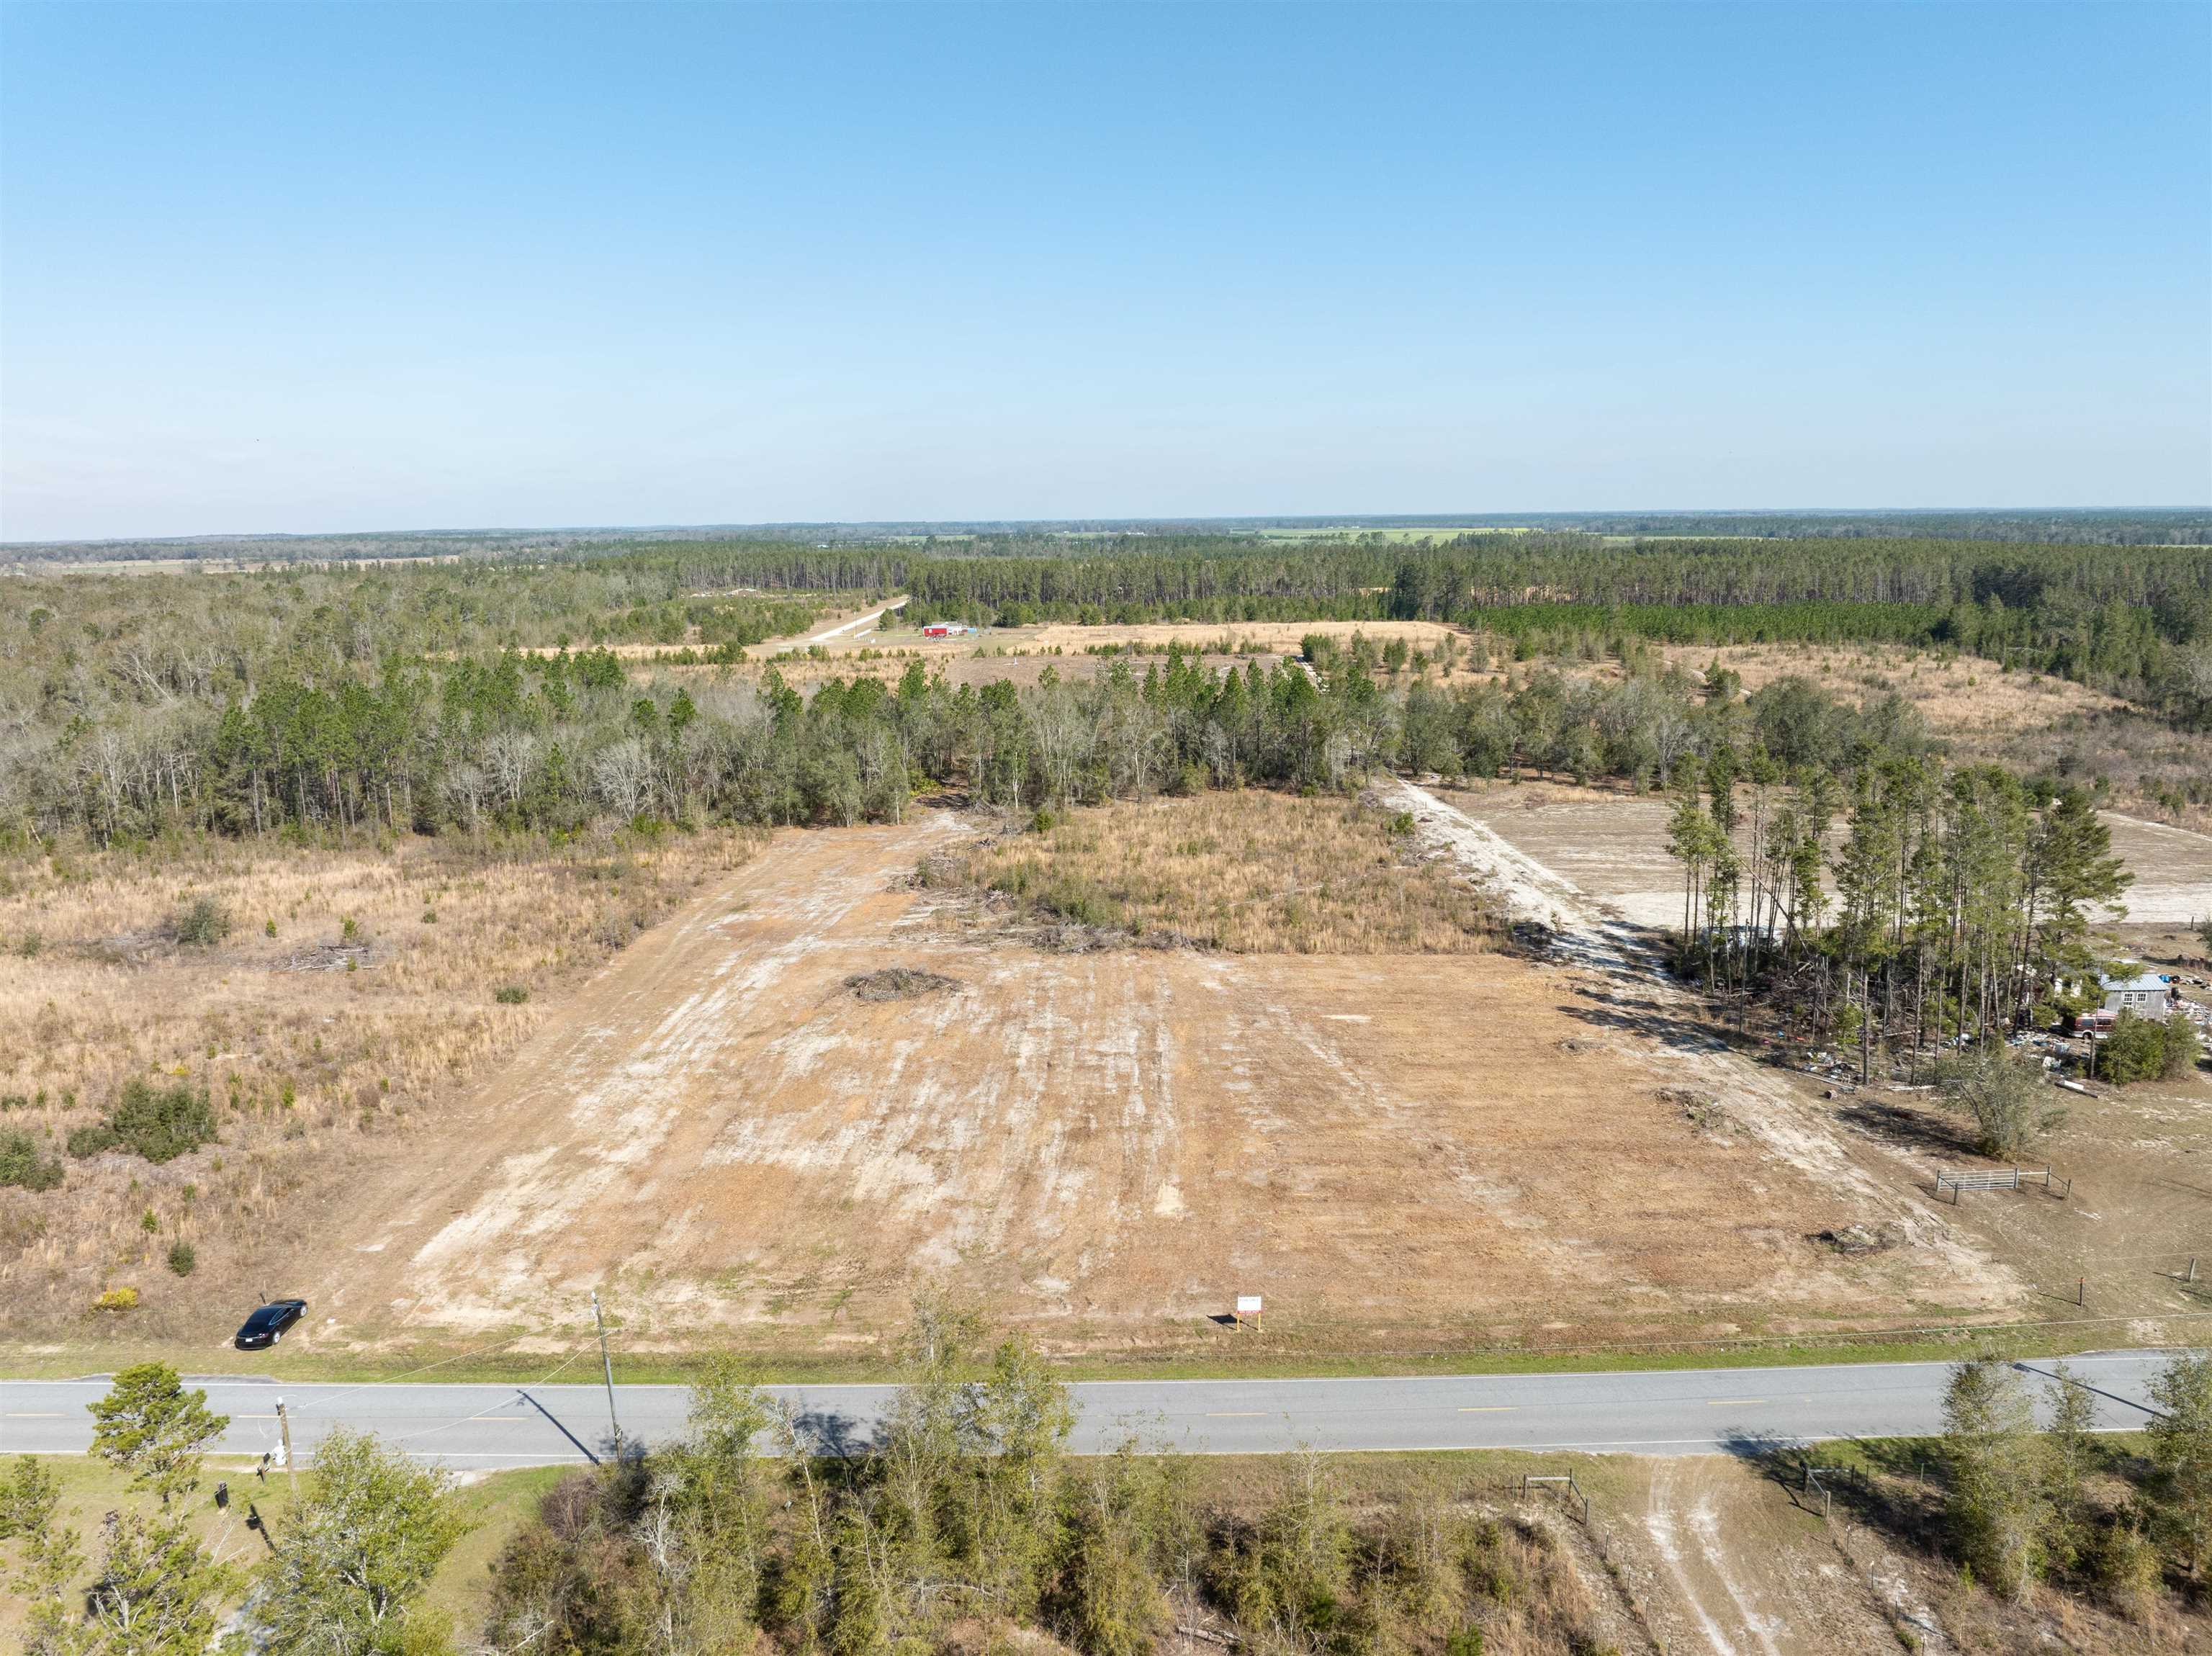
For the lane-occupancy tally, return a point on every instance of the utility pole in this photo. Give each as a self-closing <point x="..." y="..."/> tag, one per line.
<point x="285" y="1427"/>
<point x="607" y="1363"/>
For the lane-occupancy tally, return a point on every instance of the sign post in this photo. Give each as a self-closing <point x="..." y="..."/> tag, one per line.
<point x="1247" y="1305"/>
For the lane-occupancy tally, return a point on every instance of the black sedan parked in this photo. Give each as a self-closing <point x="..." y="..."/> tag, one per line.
<point x="266" y="1327"/>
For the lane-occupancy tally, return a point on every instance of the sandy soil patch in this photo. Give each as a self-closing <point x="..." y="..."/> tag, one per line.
<point x="2172" y="868"/>
<point x="1723" y="1561"/>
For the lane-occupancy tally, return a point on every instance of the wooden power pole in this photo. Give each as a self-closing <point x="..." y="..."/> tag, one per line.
<point x="607" y="1367"/>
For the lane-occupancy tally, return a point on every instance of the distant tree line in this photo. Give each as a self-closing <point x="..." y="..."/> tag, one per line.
<point x="2119" y="527"/>
<point x="111" y="654"/>
<point x="2137" y="620"/>
<point x="2113" y="527"/>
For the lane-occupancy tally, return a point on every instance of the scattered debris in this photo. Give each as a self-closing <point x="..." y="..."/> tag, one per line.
<point x="1855" y="1240"/>
<point x="329" y="957"/>
<point x="1072" y="937"/>
<point x="1701" y="1110"/>
<point x="899" y="983"/>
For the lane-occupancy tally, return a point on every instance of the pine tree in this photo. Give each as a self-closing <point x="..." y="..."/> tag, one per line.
<point x="1995" y="1461"/>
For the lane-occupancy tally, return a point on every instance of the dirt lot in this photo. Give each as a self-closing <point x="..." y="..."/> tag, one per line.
<point x="1405" y="1151"/>
<point x="1104" y="1146"/>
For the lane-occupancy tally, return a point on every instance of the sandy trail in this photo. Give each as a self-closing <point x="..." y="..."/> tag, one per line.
<point x="1746" y="1574"/>
<point x="857" y="621"/>
<point x="718" y="1136"/>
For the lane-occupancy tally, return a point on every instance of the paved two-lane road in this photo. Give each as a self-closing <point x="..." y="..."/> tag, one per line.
<point x="1683" y="1411"/>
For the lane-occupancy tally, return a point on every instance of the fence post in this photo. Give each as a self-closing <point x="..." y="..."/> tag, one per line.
<point x="2081" y="1293"/>
<point x="2192" y="1267"/>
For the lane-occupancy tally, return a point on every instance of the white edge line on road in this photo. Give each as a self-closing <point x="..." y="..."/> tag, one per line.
<point x="641" y="1387"/>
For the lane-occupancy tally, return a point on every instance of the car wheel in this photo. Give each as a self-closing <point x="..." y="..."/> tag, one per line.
<point x="278" y="1336"/>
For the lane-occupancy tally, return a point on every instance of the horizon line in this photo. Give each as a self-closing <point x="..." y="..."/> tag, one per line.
<point x="1357" y="519"/>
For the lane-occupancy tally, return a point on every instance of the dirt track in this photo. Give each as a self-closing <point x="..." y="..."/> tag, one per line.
<point x="715" y="1132"/>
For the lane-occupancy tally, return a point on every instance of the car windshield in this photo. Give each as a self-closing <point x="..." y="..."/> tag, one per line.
<point x="266" y="1317"/>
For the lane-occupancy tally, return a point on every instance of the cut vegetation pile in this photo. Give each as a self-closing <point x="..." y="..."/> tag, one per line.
<point x="1248" y="872"/>
<point x="899" y="983"/>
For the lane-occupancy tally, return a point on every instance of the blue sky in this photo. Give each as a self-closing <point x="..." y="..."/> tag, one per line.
<point x="310" y="267"/>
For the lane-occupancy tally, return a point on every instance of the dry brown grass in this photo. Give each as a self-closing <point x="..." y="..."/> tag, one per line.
<point x="315" y="1043"/>
<point x="1022" y="653"/>
<point x="2025" y="721"/>
<point x="1250" y="871"/>
<point x="1239" y="638"/>
<point x="1958" y="695"/>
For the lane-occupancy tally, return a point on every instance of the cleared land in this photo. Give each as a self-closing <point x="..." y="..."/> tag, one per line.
<point x="1398" y="1150"/>
<point x="1251" y="872"/>
<point x="835" y="647"/>
<point x="2027" y="721"/>
<point x="742" y="1129"/>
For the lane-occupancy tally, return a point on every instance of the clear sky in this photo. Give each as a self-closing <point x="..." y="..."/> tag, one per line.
<point x="319" y="268"/>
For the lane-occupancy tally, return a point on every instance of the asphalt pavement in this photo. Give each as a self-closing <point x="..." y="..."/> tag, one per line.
<point x="1655" y="1412"/>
